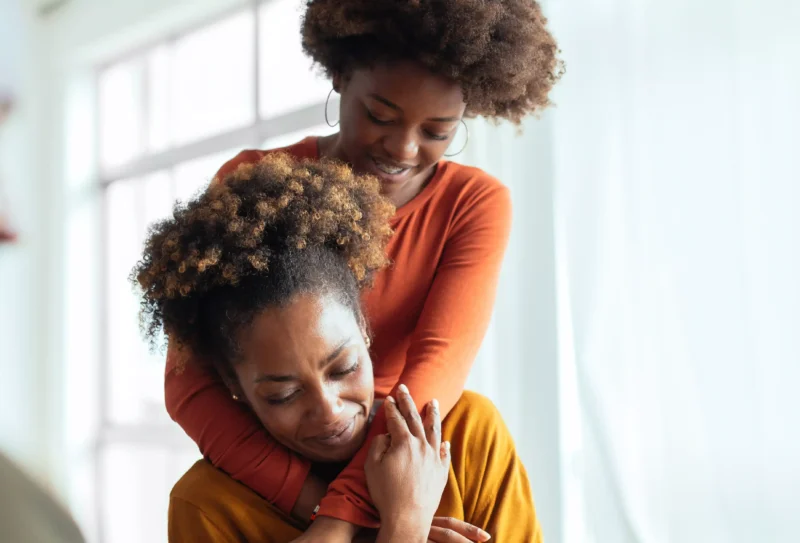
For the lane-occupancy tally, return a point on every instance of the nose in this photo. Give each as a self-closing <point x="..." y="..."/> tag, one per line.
<point x="327" y="406"/>
<point x="401" y="146"/>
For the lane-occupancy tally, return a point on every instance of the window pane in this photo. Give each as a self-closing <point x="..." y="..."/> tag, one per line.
<point x="293" y="137"/>
<point x="120" y="101"/>
<point x="286" y="77"/>
<point x="213" y="79"/>
<point x="122" y="251"/>
<point x="158" y="85"/>
<point x="136" y="482"/>
<point x="135" y="375"/>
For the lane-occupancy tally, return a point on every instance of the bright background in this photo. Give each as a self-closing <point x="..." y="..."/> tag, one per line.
<point x="645" y="349"/>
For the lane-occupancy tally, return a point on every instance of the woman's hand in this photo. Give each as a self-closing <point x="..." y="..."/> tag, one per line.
<point x="450" y="530"/>
<point x="407" y="468"/>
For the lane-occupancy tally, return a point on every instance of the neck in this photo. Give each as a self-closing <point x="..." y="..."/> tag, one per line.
<point x="328" y="471"/>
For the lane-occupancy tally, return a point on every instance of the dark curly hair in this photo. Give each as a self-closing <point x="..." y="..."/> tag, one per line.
<point x="499" y="50"/>
<point x="269" y="231"/>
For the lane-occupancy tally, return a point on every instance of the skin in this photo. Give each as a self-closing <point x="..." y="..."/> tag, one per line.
<point x="400" y="114"/>
<point x="305" y="371"/>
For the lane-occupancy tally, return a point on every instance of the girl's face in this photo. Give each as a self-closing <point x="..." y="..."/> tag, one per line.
<point x="396" y="122"/>
<point x="305" y="371"/>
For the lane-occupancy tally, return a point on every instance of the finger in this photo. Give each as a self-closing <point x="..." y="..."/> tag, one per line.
<point x="446" y="535"/>
<point x="406" y="404"/>
<point x="433" y="425"/>
<point x="379" y="447"/>
<point x="461" y="527"/>
<point x="395" y="422"/>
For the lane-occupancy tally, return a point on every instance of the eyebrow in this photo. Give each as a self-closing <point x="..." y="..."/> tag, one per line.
<point x="324" y="362"/>
<point x="395" y="107"/>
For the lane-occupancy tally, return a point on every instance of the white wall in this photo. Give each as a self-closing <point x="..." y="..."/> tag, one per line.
<point x="26" y="377"/>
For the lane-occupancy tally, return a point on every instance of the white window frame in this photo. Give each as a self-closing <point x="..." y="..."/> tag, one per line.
<point x="143" y="435"/>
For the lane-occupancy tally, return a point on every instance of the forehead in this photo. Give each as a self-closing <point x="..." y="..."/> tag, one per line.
<point x="410" y="85"/>
<point x="304" y="331"/>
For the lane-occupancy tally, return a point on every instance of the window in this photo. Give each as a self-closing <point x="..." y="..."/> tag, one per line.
<point x="168" y="117"/>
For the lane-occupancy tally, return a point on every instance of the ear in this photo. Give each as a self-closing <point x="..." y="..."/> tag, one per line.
<point x="236" y="391"/>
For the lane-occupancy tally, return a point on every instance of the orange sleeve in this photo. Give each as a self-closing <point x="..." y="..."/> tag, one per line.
<point x="249" y="156"/>
<point x="230" y="436"/>
<point x="447" y="337"/>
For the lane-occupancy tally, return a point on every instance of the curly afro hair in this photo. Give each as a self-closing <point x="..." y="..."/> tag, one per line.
<point x="270" y="231"/>
<point x="500" y="51"/>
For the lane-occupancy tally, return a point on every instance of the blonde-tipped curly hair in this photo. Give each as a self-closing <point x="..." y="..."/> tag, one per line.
<point x="269" y="231"/>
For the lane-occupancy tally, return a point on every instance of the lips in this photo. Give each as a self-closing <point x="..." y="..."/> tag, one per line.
<point x="340" y="434"/>
<point x="389" y="169"/>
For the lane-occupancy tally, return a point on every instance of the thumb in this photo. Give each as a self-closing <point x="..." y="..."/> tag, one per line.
<point x="379" y="446"/>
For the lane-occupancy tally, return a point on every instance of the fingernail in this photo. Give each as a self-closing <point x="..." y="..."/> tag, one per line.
<point x="487" y="536"/>
<point x="390" y="399"/>
<point x="447" y="446"/>
<point x="435" y="404"/>
<point x="403" y="389"/>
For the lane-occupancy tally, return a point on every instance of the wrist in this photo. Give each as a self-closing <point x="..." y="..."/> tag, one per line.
<point x="406" y="529"/>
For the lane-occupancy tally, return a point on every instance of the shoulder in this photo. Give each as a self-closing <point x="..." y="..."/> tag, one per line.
<point x="475" y="194"/>
<point x="208" y="500"/>
<point x="306" y="148"/>
<point x="201" y="480"/>
<point x="210" y="491"/>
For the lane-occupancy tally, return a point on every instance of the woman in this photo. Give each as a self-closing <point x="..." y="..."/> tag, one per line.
<point x="408" y="72"/>
<point x="263" y="274"/>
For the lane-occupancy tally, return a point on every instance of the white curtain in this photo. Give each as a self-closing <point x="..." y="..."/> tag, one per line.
<point x="677" y="160"/>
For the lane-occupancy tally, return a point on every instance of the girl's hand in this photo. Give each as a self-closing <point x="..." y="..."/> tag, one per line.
<point x="450" y="530"/>
<point x="407" y="468"/>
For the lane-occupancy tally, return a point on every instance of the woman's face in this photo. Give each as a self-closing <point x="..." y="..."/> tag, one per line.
<point x="306" y="373"/>
<point x="396" y="121"/>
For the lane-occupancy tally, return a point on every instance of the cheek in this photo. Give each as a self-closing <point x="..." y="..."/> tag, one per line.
<point x="430" y="153"/>
<point x="281" y="422"/>
<point x="361" y="387"/>
<point x="360" y="133"/>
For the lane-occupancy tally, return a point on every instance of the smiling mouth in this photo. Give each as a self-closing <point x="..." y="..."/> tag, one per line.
<point x="388" y="168"/>
<point x="337" y="434"/>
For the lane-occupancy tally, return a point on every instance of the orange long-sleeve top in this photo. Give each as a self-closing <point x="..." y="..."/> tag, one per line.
<point x="428" y="313"/>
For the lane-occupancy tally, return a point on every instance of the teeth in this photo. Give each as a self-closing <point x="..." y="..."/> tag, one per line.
<point x="388" y="169"/>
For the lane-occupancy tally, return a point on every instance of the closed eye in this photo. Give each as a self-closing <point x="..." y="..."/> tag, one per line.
<point x="374" y="119"/>
<point x="348" y="371"/>
<point x="283" y="400"/>
<point x="438" y="137"/>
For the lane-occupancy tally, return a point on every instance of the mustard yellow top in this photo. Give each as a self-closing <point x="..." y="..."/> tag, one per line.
<point x="487" y="486"/>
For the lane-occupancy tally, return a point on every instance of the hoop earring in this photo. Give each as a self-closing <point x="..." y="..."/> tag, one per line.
<point x="326" y="110"/>
<point x="466" y="128"/>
